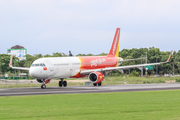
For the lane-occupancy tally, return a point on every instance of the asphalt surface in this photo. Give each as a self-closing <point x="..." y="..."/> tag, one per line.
<point x="88" y="89"/>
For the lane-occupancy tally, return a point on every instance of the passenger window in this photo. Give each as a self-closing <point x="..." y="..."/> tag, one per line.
<point x="44" y="64"/>
<point x="41" y="65"/>
<point x="32" y="65"/>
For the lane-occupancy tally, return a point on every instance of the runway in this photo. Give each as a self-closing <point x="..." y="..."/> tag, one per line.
<point x="88" y="89"/>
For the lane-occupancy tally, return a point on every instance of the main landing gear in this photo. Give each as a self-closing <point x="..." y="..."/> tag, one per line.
<point x="62" y="83"/>
<point x="99" y="84"/>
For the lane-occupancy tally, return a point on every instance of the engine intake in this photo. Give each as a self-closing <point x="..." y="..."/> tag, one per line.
<point x="96" y="77"/>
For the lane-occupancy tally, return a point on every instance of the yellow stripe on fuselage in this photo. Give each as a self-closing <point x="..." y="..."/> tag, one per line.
<point x="117" y="53"/>
<point x="118" y="61"/>
<point x="81" y="63"/>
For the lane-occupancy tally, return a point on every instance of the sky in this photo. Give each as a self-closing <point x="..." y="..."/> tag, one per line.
<point x="88" y="26"/>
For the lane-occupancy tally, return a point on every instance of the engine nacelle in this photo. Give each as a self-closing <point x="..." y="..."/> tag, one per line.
<point x="96" y="77"/>
<point x="43" y="81"/>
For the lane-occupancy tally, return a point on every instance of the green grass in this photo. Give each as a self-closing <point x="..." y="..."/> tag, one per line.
<point x="20" y="85"/>
<point x="149" y="105"/>
<point x="136" y="80"/>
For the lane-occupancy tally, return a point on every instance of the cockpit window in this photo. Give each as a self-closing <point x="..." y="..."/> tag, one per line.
<point x="36" y="65"/>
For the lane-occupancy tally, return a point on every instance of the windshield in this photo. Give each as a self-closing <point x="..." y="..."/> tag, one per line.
<point x="38" y="65"/>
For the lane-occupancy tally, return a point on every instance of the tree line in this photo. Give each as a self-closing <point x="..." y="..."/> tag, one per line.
<point x="153" y="55"/>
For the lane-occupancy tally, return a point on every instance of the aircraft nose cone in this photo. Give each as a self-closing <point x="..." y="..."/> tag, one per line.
<point x="37" y="73"/>
<point x="33" y="73"/>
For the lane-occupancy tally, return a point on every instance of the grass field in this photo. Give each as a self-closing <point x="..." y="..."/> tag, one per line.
<point x="149" y="105"/>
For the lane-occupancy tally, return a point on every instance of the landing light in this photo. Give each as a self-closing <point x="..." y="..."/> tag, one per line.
<point x="45" y="68"/>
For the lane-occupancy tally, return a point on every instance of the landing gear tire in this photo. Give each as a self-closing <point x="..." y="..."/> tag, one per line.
<point x="99" y="84"/>
<point x="60" y="83"/>
<point x="95" y="84"/>
<point x="64" y="83"/>
<point x="43" y="86"/>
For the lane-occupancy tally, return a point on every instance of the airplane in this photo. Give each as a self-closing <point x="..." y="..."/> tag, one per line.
<point x="45" y="69"/>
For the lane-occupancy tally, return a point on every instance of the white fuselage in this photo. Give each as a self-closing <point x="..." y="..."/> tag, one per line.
<point x="66" y="67"/>
<point x="57" y="67"/>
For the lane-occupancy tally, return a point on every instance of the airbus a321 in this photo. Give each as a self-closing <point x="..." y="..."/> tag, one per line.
<point x="45" y="69"/>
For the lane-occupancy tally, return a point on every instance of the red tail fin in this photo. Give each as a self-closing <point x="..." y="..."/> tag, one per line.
<point x="114" y="51"/>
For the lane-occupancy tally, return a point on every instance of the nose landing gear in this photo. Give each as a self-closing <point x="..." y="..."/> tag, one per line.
<point x="43" y="86"/>
<point x="43" y="82"/>
<point x="62" y="83"/>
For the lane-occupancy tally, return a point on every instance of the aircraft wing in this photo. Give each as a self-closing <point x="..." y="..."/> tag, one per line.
<point x="18" y="68"/>
<point x="123" y="67"/>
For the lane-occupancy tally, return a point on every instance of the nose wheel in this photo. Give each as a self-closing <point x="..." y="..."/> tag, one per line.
<point x="43" y="86"/>
<point x="62" y="83"/>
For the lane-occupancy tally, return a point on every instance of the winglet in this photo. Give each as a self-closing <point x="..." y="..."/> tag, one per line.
<point x="170" y="56"/>
<point x="10" y="64"/>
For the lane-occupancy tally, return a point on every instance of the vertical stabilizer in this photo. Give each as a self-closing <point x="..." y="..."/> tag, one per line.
<point x="114" y="51"/>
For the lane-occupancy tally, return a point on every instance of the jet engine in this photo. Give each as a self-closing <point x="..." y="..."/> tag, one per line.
<point x="96" y="77"/>
<point x="43" y="81"/>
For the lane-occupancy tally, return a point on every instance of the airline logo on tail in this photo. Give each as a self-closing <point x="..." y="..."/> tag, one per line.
<point x="116" y="42"/>
<point x="114" y="51"/>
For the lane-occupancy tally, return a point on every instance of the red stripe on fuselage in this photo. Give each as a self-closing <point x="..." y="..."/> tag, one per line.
<point x="96" y="62"/>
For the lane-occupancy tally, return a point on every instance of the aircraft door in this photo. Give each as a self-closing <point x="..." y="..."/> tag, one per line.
<point x="51" y="68"/>
<point x="50" y="65"/>
<point x="70" y="65"/>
